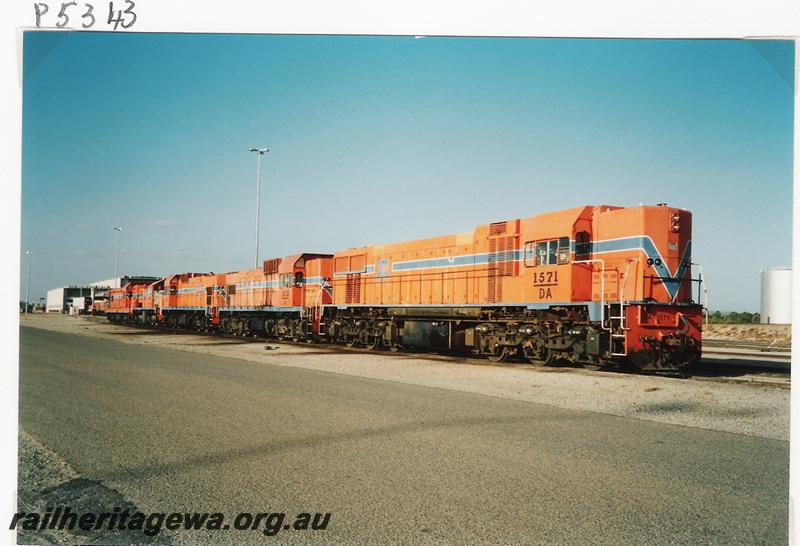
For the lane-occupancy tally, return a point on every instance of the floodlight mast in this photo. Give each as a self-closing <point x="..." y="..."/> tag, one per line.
<point x="29" y="253"/>
<point x="261" y="152"/>
<point x="117" y="229"/>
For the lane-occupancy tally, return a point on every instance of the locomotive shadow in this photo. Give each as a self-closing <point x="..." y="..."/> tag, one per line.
<point x="558" y="366"/>
<point x="708" y="368"/>
<point x="136" y="332"/>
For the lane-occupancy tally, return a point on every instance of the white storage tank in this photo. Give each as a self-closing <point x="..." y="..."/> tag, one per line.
<point x="776" y="295"/>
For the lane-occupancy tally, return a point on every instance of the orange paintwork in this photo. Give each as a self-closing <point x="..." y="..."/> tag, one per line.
<point x="498" y="263"/>
<point x="293" y="290"/>
<point x="298" y="285"/>
<point x="99" y="307"/>
<point x="250" y="288"/>
<point x="659" y="321"/>
<point x="192" y="292"/>
<point x="151" y="295"/>
<point x="126" y="299"/>
<point x="318" y="286"/>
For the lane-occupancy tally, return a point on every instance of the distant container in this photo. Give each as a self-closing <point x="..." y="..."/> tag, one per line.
<point x="776" y="295"/>
<point x="80" y="305"/>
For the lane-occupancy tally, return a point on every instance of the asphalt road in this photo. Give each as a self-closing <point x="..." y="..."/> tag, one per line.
<point x="176" y="431"/>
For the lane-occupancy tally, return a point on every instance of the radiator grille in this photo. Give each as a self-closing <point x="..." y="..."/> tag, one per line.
<point x="498" y="228"/>
<point x="271" y="266"/>
<point x="353" y="289"/>
<point x="501" y="264"/>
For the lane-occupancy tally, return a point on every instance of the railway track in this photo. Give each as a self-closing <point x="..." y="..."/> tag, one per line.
<point x="755" y="346"/>
<point x="734" y="356"/>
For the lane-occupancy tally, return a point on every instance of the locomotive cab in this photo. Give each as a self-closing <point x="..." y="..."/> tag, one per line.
<point x="300" y="278"/>
<point x="291" y="274"/>
<point x="555" y="250"/>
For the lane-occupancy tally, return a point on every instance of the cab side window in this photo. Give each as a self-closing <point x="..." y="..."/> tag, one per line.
<point x="541" y="253"/>
<point x="530" y="254"/>
<point x="551" y="252"/>
<point x="563" y="250"/>
<point x="583" y="245"/>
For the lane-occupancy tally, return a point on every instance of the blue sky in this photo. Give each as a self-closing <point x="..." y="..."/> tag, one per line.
<point x="381" y="139"/>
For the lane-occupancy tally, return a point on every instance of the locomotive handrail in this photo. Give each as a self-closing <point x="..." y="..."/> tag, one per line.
<point x="622" y="294"/>
<point x="602" y="288"/>
<point x="702" y="286"/>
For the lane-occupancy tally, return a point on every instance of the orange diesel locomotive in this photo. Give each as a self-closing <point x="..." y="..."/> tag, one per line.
<point x="124" y="303"/>
<point x="600" y="286"/>
<point x="284" y="299"/>
<point x="592" y="285"/>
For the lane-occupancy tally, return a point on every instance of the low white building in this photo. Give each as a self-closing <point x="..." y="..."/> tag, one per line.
<point x="119" y="282"/>
<point x="59" y="299"/>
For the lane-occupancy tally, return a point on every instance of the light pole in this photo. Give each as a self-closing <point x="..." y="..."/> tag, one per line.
<point x="261" y="151"/>
<point x="116" y="251"/>
<point x="29" y="253"/>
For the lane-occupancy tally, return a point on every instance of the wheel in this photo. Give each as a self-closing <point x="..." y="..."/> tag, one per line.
<point x="374" y="344"/>
<point x="499" y="354"/>
<point x="533" y="356"/>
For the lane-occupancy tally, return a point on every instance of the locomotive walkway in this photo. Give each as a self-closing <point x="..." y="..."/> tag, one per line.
<point x="180" y="431"/>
